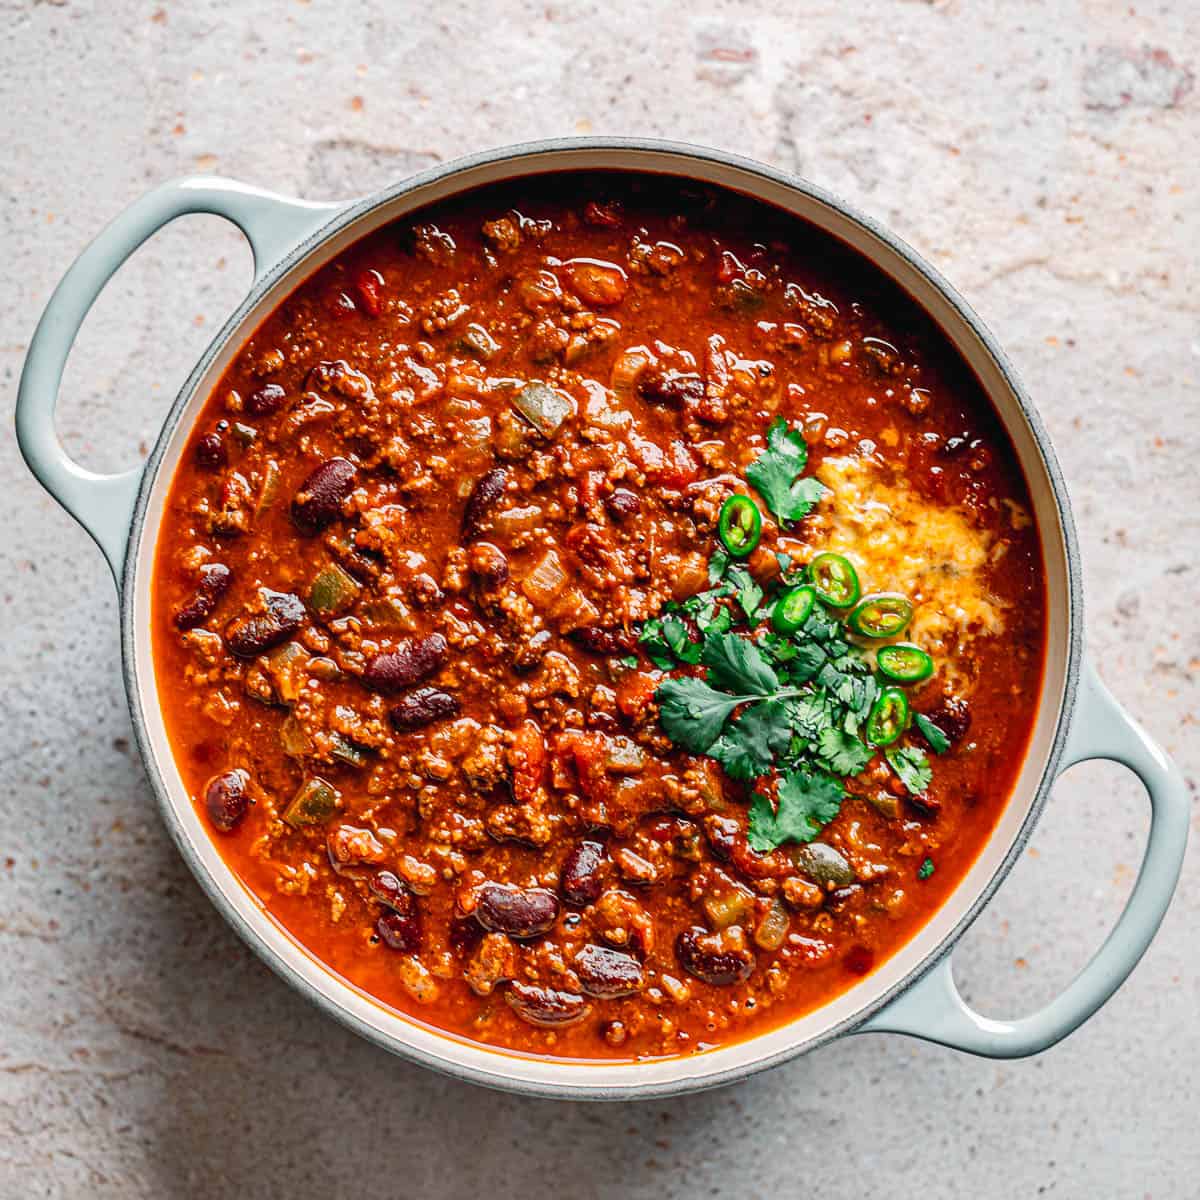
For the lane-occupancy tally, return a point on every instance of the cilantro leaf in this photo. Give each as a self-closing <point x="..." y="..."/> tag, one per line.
<point x="807" y="802"/>
<point x="738" y="665"/>
<point x="652" y="641"/>
<point x="629" y="661"/>
<point x="805" y="662"/>
<point x="823" y="628"/>
<point x="810" y="715"/>
<point x="775" y="474"/>
<point x="749" y="594"/>
<point x="678" y="637"/>
<point x="842" y="753"/>
<point x="939" y="743"/>
<point x="912" y="766"/>
<point x="749" y="744"/>
<point x="926" y="869"/>
<point x="718" y="564"/>
<point x="692" y="713"/>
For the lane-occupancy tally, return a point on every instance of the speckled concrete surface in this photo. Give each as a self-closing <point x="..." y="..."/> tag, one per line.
<point x="1045" y="156"/>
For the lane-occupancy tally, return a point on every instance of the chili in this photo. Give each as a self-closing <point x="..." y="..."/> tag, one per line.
<point x="413" y="541"/>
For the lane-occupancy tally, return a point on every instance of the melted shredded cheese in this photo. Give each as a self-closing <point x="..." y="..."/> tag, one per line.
<point x="899" y="541"/>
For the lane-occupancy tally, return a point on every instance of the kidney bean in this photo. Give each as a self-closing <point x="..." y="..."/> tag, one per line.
<point x="409" y="663"/>
<point x="423" y="707"/>
<point x="367" y="288"/>
<point x="546" y="1007"/>
<point x="716" y="958"/>
<point x="519" y="912"/>
<point x="255" y="633"/>
<point x="623" y="503"/>
<point x="226" y="800"/>
<point x="215" y="579"/>
<point x="601" y="640"/>
<point x="399" y="931"/>
<point x="488" y="564"/>
<point x="580" y="881"/>
<point x="953" y="717"/>
<point x="607" y="973"/>
<point x="319" y="500"/>
<point x="265" y="400"/>
<point x="484" y="497"/>
<point x="394" y="892"/>
<point x="210" y="451"/>
<point x="673" y="389"/>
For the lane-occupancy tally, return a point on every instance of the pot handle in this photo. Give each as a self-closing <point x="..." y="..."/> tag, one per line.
<point x="103" y="504"/>
<point x="933" y="1008"/>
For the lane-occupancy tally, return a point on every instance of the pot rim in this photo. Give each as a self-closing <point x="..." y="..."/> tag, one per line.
<point x="577" y="1085"/>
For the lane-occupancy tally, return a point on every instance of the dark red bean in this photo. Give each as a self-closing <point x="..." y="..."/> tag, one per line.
<point x="671" y="388"/>
<point x="409" y="663"/>
<point x="319" y="500"/>
<point x="423" y="707"/>
<point x="711" y="957"/>
<point x="488" y="564"/>
<point x="265" y="400"/>
<point x="215" y="579"/>
<point x="210" y="452"/>
<point x="226" y="799"/>
<point x="399" y="931"/>
<point x="519" y="912"/>
<point x="623" y="503"/>
<point x="394" y="892"/>
<point x="607" y="973"/>
<point x="546" y="1007"/>
<point x="601" y="640"/>
<point x="580" y="880"/>
<point x="255" y="633"/>
<point x="368" y="288"/>
<point x="953" y="717"/>
<point x="484" y="496"/>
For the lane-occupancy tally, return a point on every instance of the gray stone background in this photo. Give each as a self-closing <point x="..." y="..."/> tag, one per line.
<point x="1044" y="155"/>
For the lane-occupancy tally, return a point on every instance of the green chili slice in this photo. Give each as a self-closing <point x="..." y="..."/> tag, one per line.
<point x="835" y="580"/>
<point x="792" y="608"/>
<point x="904" y="663"/>
<point x="740" y="526"/>
<point x="881" y="615"/>
<point x="889" y="717"/>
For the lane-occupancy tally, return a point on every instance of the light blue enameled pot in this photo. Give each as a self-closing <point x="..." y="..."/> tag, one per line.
<point x="913" y="992"/>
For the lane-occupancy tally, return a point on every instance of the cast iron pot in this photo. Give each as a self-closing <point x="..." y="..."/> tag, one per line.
<point x="914" y="991"/>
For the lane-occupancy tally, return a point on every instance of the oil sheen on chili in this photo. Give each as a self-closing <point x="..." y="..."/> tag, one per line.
<point x="433" y="551"/>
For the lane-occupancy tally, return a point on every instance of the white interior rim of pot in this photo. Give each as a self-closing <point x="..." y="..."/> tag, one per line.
<point x="535" y="1075"/>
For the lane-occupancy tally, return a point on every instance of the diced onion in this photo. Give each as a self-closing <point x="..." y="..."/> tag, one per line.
<point x="626" y="372"/>
<point x="545" y="581"/>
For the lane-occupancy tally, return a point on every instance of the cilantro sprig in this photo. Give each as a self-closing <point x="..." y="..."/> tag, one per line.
<point x="791" y="707"/>
<point x="775" y="474"/>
